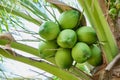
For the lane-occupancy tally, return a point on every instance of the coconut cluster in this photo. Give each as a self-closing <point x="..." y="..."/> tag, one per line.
<point x="67" y="41"/>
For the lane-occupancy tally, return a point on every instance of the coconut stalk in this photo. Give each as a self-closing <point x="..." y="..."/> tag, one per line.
<point x="97" y="20"/>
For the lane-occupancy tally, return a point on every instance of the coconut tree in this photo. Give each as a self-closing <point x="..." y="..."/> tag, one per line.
<point x="103" y="15"/>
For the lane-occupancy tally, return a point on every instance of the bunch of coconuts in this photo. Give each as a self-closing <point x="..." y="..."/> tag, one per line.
<point x="68" y="41"/>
